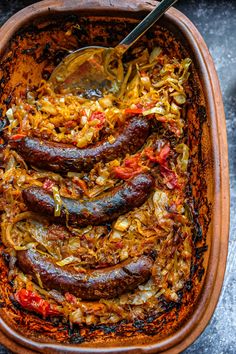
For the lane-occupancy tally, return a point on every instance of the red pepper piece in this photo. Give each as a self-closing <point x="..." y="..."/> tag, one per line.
<point x="33" y="302"/>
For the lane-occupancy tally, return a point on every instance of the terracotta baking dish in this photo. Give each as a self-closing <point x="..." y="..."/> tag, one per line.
<point x="23" y="42"/>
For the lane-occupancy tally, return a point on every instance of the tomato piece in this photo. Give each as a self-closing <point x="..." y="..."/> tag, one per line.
<point x="134" y="110"/>
<point x="125" y="173"/>
<point x="130" y="168"/>
<point x="70" y="298"/>
<point x="160" y="156"/>
<point x="132" y="162"/>
<point x="17" y="137"/>
<point x="33" y="302"/>
<point x="100" y="116"/>
<point x="170" y="177"/>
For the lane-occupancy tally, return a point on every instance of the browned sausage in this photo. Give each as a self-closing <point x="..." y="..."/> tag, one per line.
<point x="63" y="157"/>
<point x="90" y="285"/>
<point x="120" y="200"/>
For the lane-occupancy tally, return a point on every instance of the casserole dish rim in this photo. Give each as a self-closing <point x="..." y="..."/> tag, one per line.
<point x="207" y="301"/>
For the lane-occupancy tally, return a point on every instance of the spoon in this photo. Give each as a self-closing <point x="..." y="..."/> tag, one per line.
<point x="83" y="72"/>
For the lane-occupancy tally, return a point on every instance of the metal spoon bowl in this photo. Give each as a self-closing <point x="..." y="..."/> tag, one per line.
<point x="83" y="72"/>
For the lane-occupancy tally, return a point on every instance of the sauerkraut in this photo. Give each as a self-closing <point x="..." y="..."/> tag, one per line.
<point x="151" y="84"/>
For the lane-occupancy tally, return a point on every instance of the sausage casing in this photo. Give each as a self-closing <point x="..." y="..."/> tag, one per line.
<point x="89" y="285"/>
<point x="63" y="157"/>
<point x="120" y="200"/>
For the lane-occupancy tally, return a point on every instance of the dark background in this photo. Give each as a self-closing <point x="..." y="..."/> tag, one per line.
<point x="216" y="21"/>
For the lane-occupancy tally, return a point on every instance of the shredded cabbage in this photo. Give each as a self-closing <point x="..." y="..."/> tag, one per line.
<point x="150" y="84"/>
<point x="183" y="158"/>
<point x="57" y="200"/>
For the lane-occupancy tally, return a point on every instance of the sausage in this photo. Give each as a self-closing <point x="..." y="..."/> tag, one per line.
<point x="90" y="284"/>
<point x="63" y="157"/>
<point x="97" y="211"/>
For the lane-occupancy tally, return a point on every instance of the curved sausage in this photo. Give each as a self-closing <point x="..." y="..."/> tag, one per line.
<point x="89" y="285"/>
<point x="82" y="213"/>
<point x="63" y="157"/>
